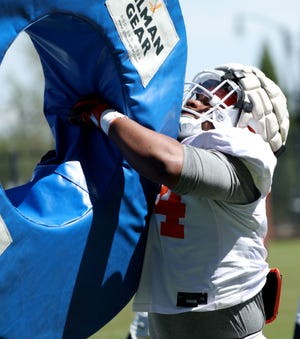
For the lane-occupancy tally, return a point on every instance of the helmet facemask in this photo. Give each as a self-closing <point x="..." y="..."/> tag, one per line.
<point x="221" y="94"/>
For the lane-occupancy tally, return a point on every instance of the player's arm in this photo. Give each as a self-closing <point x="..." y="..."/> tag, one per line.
<point x="161" y="159"/>
<point x="155" y="156"/>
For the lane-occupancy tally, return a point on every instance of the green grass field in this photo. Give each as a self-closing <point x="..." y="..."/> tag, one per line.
<point x="283" y="254"/>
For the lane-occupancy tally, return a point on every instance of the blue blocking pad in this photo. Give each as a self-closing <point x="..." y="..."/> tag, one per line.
<point x="72" y="238"/>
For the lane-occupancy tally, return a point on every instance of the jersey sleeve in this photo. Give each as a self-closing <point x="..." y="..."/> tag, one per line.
<point x="214" y="175"/>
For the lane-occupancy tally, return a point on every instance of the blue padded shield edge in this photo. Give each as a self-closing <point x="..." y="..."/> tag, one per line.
<point x="72" y="239"/>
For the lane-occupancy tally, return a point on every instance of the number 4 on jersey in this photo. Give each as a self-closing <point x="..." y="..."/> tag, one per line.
<point x="170" y="205"/>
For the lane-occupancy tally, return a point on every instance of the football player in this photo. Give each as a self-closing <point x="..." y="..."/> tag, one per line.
<point x="205" y="261"/>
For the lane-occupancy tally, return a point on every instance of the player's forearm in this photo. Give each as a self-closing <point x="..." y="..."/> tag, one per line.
<point x="157" y="157"/>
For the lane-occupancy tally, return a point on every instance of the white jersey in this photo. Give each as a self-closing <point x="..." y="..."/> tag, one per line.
<point x="205" y="254"/>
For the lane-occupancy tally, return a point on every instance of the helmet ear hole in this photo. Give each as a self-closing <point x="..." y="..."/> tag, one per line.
<point x="247" y="107"/>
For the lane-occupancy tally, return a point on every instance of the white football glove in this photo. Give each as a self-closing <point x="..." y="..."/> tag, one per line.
<point x="265" y="106"/>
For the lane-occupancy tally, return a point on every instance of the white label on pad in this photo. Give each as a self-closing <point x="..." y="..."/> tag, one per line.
<point x="146" y="30"/>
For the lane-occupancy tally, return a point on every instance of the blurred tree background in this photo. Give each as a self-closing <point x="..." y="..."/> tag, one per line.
<point x="25" y="135"/>
<point x="285" y="202"/>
